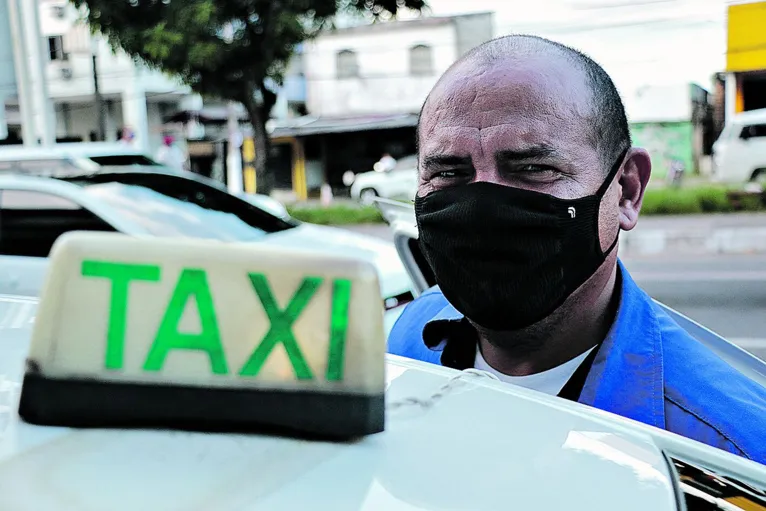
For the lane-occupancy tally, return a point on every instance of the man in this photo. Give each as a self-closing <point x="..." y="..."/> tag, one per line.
<point x="170" y="154"/>
<point x="127" y="136"/>
<point x="526" y="177"/>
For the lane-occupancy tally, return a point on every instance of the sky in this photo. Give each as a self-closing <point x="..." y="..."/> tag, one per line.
<point x="638" y="42"/>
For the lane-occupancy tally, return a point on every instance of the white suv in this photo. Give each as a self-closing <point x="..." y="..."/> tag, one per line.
<point x="739" y="154"/>
<point x="399" y="183"/>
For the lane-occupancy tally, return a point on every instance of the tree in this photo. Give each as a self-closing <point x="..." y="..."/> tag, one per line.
<point x="230" y="49"/>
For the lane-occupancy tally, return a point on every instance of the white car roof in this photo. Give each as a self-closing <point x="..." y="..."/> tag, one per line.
<point x="67" y="150"/>
<point x="752" y="116"/>
<point x="452" y="441"/>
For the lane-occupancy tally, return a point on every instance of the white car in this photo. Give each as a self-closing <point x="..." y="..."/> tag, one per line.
<point x="399" y="183"/>
<point x="163" y="435"/>
<point x="35" y="211"/>
<point x="67" y="158"/>
<point x="739" y="154"/>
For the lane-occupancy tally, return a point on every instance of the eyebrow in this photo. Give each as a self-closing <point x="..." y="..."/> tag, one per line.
<point x="446" y="161"/>
<point x="530" y="153"/>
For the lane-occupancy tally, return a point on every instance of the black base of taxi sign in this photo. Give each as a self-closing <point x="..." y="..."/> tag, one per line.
<point x="91" y="404"/>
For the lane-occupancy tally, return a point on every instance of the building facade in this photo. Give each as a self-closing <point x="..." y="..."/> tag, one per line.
<point x="386" y="67"/>
<point x="674" y="123"/>
<point x="132" y="95"/>
<point x="364" y="88"/>
<point x="746" y="58"/>
<point x="70" y="61"/>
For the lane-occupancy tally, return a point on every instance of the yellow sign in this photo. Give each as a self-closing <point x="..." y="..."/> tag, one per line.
<point x="747" y="37"/>
<point x="248" y="149"/>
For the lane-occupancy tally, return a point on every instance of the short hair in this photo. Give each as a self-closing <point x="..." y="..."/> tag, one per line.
<point x="610" y="132"/>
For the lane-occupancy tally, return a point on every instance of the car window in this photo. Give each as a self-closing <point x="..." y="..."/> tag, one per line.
<point x="198" y="193"/>
<point x="753" y="131"/>
<point x="30" y="221"/>
<point x="163" y="216"/>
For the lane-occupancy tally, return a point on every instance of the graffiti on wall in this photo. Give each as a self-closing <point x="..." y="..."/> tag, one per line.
<point x="666" y="142"/>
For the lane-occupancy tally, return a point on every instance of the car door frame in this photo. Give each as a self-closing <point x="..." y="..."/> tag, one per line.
<point x="13" y="267"/>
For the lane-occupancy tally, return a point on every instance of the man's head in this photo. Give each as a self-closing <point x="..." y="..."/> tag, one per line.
<point x="527" y="113"/>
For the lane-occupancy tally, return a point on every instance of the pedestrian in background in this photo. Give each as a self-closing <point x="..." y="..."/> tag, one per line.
<point x="127" y="136"/>
<point x="170" y="155"/>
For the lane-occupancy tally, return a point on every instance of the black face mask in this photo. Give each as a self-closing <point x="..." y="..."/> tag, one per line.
<point x="507" y="258"/>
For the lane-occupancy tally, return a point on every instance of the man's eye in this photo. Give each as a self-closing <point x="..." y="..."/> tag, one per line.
<point x="536" y="172"/>
<point x="534" y="169"/>
<point x="446" y="174"/>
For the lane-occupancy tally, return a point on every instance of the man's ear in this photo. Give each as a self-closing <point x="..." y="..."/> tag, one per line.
<point x="635" y="177"/>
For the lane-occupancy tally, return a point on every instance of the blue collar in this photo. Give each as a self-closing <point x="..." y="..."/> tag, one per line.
<point x="627" y="375"/>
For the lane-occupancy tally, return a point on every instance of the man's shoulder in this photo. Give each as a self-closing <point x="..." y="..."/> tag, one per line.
<point x="406" y="337"/>
<point x="706" y="397"/>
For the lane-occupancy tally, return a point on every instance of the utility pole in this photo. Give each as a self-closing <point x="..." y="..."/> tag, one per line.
<point x="100" y="104"/>
<point x="37" y="117"/>
<point x="26" y="108"/>
<point x="234" y="156"/>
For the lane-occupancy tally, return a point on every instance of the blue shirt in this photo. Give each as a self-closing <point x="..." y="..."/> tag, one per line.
<point x="647" y="369"/>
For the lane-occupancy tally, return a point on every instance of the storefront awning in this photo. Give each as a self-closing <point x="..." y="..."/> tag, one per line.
<point x="308" y="125"/>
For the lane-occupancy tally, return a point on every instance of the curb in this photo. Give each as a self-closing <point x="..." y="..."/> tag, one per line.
<point x="732" y="240"/>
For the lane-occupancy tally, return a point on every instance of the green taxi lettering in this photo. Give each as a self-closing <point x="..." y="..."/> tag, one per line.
<point x="341" y="299"/>
<point x="193" y="284"/>
<point x="121" y="276"/>
<point x="281" y="330"/>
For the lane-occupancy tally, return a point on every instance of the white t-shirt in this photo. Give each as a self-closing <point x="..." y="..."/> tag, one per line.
<point x="550" y="381"/>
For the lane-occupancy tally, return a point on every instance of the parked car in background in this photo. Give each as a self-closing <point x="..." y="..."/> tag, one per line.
<point x="35" y="211"/>
<point x="79" y="158"/>
<point x="399" y="183"/>
<point x="64" y="159"/>
<point x="739" y="154"/>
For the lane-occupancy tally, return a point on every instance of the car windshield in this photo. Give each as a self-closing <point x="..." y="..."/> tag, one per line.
<point x="160" y="215"/>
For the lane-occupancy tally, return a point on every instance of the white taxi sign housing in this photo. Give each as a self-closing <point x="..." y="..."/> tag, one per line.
<point x="204" y="335"/>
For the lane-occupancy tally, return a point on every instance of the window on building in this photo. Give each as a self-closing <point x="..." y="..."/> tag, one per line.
<point x="346" y="64"/>
<point x="421" y="60"/>
<point x="754" y="131"/>
<point x="56" y="48"/>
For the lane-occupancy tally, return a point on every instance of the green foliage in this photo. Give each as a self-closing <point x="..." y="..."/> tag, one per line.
<point x="657" y="201"/>
<point x="337" y="215"/>
<point x="709" y="199"/>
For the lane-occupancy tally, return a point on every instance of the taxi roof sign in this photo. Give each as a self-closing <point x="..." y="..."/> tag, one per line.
<point x="146" y="332"/>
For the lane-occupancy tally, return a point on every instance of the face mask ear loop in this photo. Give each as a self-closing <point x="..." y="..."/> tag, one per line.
<point x="612" y="174"/>
<point x="602" y="191"/>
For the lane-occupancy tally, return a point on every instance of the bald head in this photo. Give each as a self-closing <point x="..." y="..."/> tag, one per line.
<point x="577" y="83"/>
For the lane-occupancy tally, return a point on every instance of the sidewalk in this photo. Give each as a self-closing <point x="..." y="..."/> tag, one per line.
<point x="730" y="233"/>
<point x="683" y="234"/>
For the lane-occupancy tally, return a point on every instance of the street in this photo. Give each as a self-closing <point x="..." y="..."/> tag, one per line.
<point x="725" y="293"/>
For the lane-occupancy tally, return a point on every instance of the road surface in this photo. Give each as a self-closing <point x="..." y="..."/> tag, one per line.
<point x="726" y="293"/>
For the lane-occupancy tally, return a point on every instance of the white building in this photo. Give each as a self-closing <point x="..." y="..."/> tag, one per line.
<point x="133" y="95"/>
<point x="386" y="67"/>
